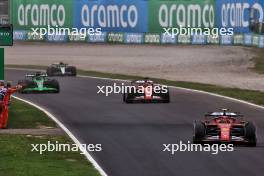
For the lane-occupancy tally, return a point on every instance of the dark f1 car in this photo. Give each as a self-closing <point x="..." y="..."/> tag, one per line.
<point x="145" y="91"/>
<point x="61" y="69"/>
<point x="224" y="127"/>
<point x="39" y="83"/>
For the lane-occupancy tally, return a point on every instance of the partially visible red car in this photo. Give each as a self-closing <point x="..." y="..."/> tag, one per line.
<point x="225" y="127"/>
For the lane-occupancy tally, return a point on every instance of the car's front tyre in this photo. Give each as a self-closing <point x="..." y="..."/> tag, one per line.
<point x="250" y="134"/>
<point x="199" y="131"/>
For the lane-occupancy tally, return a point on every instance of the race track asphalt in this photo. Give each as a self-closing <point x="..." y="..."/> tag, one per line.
<point x="132" y="135"/>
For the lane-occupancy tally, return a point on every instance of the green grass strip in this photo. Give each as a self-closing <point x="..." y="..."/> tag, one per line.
<point x="22" y="115"/>
<point x="17" y="159"/>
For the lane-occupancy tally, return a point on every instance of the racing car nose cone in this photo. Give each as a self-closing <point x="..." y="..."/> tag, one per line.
<point x="62" y="70"/>
<point x="225" y="134"/>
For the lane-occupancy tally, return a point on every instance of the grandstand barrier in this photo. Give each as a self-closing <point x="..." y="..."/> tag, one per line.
<point x="140" y="21"/>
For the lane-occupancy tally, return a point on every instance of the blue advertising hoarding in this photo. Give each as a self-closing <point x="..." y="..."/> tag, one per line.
<point x="136" y="38"/>
<point x="128" y="21"/>
<point x="168" y="39"/>
<point x="226" y="40"/>
<point x="237" y="13"/>
<point x="199" y="39"/>
<point x="20" y="35"/>
<point x="56" y="38"/>
<point x="98" y="38"/>
<point x="248" y="39"/>
<point x="111" y="15"/>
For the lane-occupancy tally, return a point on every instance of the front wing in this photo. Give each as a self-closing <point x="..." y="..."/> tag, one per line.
<point x="142" y="99"/>
<point x="217" y="139"/>
<point x="39" y="90"/>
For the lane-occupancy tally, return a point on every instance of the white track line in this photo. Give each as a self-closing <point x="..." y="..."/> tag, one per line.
<point x="75" y="140"/>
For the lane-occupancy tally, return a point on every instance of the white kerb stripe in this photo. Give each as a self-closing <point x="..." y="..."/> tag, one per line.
<point x="67" y="131"/>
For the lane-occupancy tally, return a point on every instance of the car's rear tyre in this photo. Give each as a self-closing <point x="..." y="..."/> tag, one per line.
<point x="250" y="134"/>
<point x="72" y="70"/>
<point x="124" y="97"/>
<point x="166" y="97"/>
<point x="199" y="131"/>
<point x="26" y="84"/>
<point x="53" y="84"/>
<point x="50" y="71"/>
<point x="127" y="98"/>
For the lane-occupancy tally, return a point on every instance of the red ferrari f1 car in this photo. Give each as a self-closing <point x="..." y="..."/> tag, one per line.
<point x="225" y="127"/>
<point x="146" y="91"/>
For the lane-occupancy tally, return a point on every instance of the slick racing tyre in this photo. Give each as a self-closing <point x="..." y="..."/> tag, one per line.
<point x="127" y="98"/>
<point x="26" y="84"/>
<point x="124" y="97"/>
<point x="51" y="71"/>
<point x="72" y="70"/>
<point x="199" y="131"/>
<point x="166" y="97"/>
<point x="250" y="134"/>
<point x="53" y="84"/>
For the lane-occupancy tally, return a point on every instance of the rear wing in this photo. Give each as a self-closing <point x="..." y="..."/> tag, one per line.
<point x="229" y="114"/>
<point x="142" y="81"/>
<point x="59" y="64"/>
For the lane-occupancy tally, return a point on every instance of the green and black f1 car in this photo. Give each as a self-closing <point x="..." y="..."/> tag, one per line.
<point x="61" y="69"/>
<point x="39" y="83"/>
